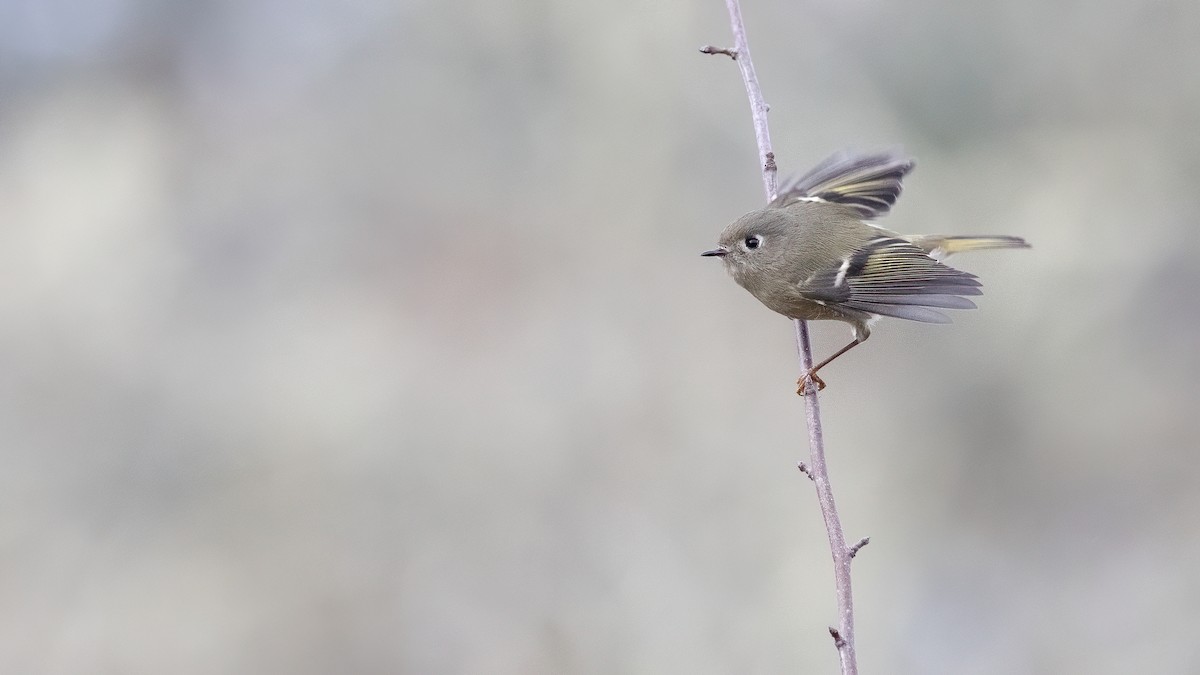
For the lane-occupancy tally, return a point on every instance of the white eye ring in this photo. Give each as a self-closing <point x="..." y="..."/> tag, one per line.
<point x="753" y="241"/>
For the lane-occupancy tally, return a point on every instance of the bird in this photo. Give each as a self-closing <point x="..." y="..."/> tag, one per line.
<point x="813" y="252"/>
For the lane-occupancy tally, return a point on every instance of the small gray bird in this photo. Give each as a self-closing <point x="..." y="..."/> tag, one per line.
<point x="810" y="254"/>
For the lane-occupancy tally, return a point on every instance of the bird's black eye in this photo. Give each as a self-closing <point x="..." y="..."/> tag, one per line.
<point x="753" y="241"/>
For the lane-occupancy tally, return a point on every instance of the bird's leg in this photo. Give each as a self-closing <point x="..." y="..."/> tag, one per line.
<point x="811" y="375"/>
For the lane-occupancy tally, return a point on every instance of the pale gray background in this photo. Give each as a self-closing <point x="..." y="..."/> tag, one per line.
<point x="372" y="337"/>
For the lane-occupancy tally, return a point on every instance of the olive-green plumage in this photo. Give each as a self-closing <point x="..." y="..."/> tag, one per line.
<point x="810" y="254"/>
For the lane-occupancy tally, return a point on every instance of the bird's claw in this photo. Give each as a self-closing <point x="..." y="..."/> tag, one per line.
<point x="802" y="383"/>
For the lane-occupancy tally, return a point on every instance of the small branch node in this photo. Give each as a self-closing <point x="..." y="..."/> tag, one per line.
<point x="805" y="470"/>
<point x="838" y="640"/>
<point x="858" y="547"/>
<point x="710" y="49"/>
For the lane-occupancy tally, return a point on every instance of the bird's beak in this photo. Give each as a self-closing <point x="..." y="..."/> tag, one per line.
<point x="719" y="251"/>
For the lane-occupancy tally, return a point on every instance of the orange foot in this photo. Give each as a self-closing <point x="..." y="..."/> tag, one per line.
<point x="802" y="383"/>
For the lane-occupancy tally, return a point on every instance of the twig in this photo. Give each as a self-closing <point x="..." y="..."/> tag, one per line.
<point x="709" y="49"/>
<point x="819" y="472"/>
<point x="858" y="547"/>
<point x="843" y="636"/>
<point x="758" y="107"/>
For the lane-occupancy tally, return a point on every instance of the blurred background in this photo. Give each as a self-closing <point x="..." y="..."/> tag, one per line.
<point x="373" y="337"/>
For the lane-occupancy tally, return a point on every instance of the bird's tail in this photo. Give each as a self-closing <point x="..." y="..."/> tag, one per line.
<point x="939" y="246"/>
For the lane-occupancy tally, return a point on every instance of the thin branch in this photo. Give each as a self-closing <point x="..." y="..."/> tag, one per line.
<point x="816" y="470"/>
<point x="819" y="472"/>
<point x="758" y="107"/>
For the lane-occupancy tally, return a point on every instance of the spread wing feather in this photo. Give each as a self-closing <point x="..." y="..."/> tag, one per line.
<point x="868" y="183"/>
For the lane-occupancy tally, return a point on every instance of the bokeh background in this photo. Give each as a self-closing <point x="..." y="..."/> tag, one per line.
<point x="372" y="337"/>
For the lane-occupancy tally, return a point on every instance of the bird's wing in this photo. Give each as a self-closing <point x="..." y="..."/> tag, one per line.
<point x="868" y="183"/>
<point x="890" y="276"/>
